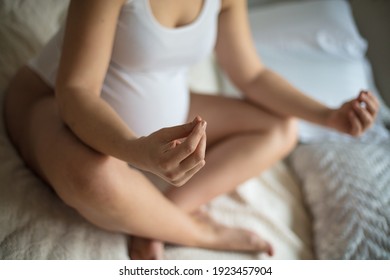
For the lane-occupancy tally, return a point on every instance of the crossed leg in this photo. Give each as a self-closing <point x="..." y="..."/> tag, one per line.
<point x="103" y="189"/>
<point x="242" y="141"/>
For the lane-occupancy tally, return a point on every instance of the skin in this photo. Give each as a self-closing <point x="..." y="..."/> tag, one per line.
<point x="57" y="129"/>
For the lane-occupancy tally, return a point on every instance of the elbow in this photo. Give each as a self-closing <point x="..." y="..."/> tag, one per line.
<point x="69" y="101"/>
<point x="251" y="85"/>
<point x="66" y="103"/>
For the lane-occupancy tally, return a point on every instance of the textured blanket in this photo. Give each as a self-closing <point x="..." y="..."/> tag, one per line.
<point x="347" y="189"/>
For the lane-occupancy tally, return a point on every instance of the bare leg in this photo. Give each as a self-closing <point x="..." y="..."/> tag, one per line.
<point x="243" y="141"/>
<point x="103" y="189"/>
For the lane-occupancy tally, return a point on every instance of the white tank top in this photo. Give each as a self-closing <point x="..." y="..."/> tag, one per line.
<point x="146" y="82"/>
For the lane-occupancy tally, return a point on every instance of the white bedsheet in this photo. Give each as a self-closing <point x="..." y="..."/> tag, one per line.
<point x="35" y="224"/>
<point x="272" y="206"/>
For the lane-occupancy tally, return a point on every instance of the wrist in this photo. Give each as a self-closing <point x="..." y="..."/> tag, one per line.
<point x="328" y="118"/>
<point x="324" y="117"/>
<point x="134" y="152"/>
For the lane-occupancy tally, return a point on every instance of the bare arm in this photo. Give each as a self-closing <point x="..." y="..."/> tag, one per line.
<point x="87" y="48"/>
<point x="236" y="54"/>
<point x="86" y="53"/>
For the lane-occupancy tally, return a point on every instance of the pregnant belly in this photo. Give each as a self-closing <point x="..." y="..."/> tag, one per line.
<point x="149" y="105"/>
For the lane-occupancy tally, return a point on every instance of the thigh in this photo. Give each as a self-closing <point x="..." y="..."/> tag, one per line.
<point x="23" y="90"/>
<point x="49" y="147"/>
<point x="35" y="127"/>
<point x="75" y="171"/>
<point x="228" y="116"/>
<point x="101" y="188"/>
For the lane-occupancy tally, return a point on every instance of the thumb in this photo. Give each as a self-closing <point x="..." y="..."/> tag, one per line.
<point x="180" y="131"/>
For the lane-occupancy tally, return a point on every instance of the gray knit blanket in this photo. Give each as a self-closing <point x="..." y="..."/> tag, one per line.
<point x="346" y="185"/>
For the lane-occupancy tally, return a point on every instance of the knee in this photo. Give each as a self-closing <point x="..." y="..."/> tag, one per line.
<point x="92" y="184"/>
<point x="285" y="134"/>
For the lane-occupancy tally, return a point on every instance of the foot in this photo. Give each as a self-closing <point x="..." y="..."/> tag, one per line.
<point x="145" y="249"/>
<point x="214" y="236"/>
<point x="231" y="239"/>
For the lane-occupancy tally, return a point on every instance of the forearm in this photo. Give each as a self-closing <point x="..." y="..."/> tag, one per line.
<point x="274" y="93"/>
<point x="95" y="123"/>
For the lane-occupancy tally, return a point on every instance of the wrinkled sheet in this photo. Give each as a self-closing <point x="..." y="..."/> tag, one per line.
<point x="36" y="224"/>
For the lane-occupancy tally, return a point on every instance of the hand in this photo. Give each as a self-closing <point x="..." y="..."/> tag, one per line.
<point x="356" y="116"/>
<point x="175" y="153"/>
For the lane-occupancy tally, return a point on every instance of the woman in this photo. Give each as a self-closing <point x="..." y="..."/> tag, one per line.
<point x="106" y="101"/>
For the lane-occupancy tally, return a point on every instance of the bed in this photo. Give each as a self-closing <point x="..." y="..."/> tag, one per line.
<point x="292" y="203"/>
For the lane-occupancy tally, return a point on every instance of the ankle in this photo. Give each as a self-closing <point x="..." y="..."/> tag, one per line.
<point x="205" y="235"/>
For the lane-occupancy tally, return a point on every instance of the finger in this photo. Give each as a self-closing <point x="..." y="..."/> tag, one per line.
<point x="191" y="143"/>
<point x="177" y="150"/>
<point x="374" y="98"/>
<point x="370" y="101"/>
<point x="180" y="131"/>
<point x="364" y="116"/>
<point x="195" y="157"/>
<point x="189" y="174"/>
<point x="355" y="124"/>
<point x="181" y="172"/>
<point x="173" y="144"/>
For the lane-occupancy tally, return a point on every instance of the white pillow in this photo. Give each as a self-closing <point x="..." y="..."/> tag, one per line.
<point x="316" y="46"/>
<point x="325" y="27"/>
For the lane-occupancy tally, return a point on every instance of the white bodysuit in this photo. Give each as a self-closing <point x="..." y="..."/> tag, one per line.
<point x="146" y="81"/>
